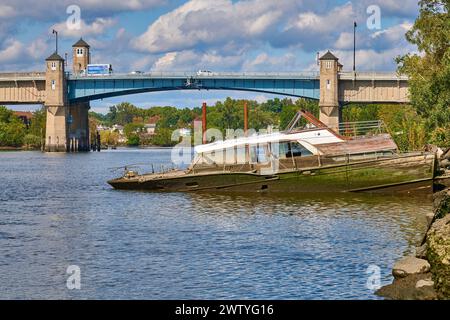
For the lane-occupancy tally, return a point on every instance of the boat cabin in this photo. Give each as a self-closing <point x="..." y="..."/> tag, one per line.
<point x="312" y="146"/>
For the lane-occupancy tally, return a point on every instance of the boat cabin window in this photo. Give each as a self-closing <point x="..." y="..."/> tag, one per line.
<point x="290" y="149"/>
<point x="258" y="154"/>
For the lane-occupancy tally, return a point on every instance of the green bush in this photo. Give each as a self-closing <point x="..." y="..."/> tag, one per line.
<point x="32" y="141"/>
<point x="133" y="140"/>
<point x="12" y="133"/>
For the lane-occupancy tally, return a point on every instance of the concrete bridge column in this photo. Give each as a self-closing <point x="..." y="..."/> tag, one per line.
<point x="56" y="129"/>
<point x="79" y="126"/>
<point x="329" y="103"/>
<point x="330" y="115"/>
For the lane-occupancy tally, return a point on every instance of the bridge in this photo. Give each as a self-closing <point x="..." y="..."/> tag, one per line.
<point x="67" y="95"/>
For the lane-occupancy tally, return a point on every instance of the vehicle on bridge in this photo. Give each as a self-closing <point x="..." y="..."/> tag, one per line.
<point x="205" y="73"/>
<point x="311" y="159"/>
<point x="99" y="69"/>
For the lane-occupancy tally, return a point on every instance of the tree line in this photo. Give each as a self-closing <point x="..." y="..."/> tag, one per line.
<point x="223" y="115"/>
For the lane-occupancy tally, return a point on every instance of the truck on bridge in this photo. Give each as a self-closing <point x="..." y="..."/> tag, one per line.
<point x="98" y="69"/>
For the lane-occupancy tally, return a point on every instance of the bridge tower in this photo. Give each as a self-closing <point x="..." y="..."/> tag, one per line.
<point x="81" y="56"/>
<point x="329" y="103"/>
<point x="56" y="134"/>
<point x="79" y="126"/>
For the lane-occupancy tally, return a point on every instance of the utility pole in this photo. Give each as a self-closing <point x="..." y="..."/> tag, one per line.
<point x="354" y="46"/>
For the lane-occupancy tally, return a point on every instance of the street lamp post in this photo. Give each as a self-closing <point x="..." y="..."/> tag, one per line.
<point x="56" y="33"/>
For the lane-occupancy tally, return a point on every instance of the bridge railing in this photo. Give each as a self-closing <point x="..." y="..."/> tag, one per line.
<point x="361" y="128"/>
<point x="371" y="76"/>
<point x="234" y="75"/>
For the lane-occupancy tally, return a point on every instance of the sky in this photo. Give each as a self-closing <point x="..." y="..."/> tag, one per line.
<point x="217" y="35"/>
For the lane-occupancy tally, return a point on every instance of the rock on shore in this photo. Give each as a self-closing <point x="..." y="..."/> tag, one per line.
<point x="417" y="286"/>
<point x="438" y="254"/>
<point x="426" y="276"/>
<point x="410" y="265"/>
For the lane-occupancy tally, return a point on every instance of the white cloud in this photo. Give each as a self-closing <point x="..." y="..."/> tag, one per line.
<point x="265" y="62"/>
<point x="345" y="41"/>
<point x="390" y="37"/>
<point x="372" y="60"/>
<point x="12" y="51"/>
<point x="15" y="55"/>
<point x="51" y="9"/>
<point x="190" y="60"/>
<point x="97" y="27"/>
<point x="312" y="31"/>
<point x="243" y="25"/>
<point x="167" y="61"/>
<point x="324" y="23"/>
<point x="213" y="24"/>
<point x="7" y="11"/>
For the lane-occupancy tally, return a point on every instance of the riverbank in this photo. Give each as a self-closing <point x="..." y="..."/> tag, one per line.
<point x="22" y="148"/>
<point x="11" y="148"/>
<point x="426" y="276"/>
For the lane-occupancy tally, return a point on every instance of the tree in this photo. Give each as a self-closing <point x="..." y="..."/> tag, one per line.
<point x="32" y="141"/>
<point x="5" y="114"/>
<point x="38" y="122"/>
<point x="12" y="133"/>
<point x="132" y="128"/>
<point x="163" y="137"/>
<point x="133" y="140"/>
<point x="109" y="138"/>
<point x="101" y="118"/>
<point x="429" y="72"/>
<point x="12" y="129"/>
<point x="123" y="113"/>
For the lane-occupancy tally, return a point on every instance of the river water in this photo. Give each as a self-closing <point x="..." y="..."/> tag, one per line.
<point x="56" y="210"/>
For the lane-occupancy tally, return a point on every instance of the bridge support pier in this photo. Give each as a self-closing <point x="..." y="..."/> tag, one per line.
<point x="56" y="135"/>
<point x="79" y="127"/>
<point x="331" y="116"/>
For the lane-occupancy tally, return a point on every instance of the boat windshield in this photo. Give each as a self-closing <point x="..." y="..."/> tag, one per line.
<point x="289" y="149"/>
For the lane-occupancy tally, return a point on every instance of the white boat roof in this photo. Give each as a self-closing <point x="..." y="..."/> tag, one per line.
<point x="312" y="137"/>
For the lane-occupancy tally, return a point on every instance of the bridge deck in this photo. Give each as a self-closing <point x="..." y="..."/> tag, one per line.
<point x="29" y="87"/>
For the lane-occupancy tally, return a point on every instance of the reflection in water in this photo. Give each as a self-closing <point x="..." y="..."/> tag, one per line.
<point x="57" y="210"/>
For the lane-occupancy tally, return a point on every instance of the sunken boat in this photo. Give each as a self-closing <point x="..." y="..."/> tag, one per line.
<point x="313" y="158"/>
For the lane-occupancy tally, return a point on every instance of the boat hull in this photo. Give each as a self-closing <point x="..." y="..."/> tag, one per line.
<point x="402" y="174"/>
